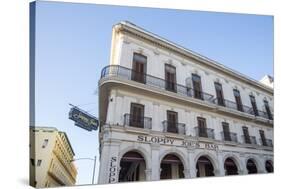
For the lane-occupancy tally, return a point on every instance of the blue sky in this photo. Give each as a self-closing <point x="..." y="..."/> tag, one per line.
<point x="73" y="45"/>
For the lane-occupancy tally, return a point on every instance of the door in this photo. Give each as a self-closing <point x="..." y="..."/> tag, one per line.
<point x="166" y="171"/>
<point x="139" y="68"/>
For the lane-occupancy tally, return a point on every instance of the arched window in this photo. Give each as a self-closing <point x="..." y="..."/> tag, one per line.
<point x="230" y="167"/>
<point x="204" y="167"/>
<point x="132" y="167"/>
<point x="171" y="167"/>
<point x="251" y="167"/>
<point x="269" y="166"/>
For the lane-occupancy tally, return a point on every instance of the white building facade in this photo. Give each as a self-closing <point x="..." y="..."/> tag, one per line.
<point x="167" y="113"/>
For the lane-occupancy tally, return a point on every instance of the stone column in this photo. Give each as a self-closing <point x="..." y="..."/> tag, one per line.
<point x="155" y="164"/>
<point x="221" y="170"/>
<point x="243" y="170"/>
<point x="192" y="165"/>
<point x="148" y="173"/>
<point x="261" y="167"/>
<point x="109" y="166"/>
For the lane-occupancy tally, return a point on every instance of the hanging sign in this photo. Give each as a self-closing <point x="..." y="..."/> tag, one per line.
<point x="83" y="119"/>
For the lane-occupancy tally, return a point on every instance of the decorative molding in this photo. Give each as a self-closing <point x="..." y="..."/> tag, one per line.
<point x="151" y="38"/>
<point x="156" y="52"/>
<point x="155" y="103"/>
<point x="140" y="50"/>
<point x="226" y="80"/>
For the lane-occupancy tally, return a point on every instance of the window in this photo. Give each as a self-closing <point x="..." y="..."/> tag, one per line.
<point x="238" y="100"/>
<point x="39" y="161"/>
<point x="137" y="115"/>
<point x="263" y="139"/>
<point x="267" y="109"/>
<point x="170" y="78"/>
<point x="226" y="133"/>
<point x="246" y="135"/>
<point x="202" y="128"/>
<point x="32" y="162"/>
<point x="45" y="143"/>
<point x="172" y="121"/>
<point x="197" y="87"/>
<point x="254" y="105"/>
<point x="139" y="68"/>
<point x="219" y="93"/>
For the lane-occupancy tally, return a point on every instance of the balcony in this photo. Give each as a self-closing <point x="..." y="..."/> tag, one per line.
<point x="138" y="121"/>
<point x="204" y="132"/>
<point x="129" y="74"/>
<point x="263" y="115"/>
<point x="229" y="136"/>
<point x="249" y="139"/>
<point x="149" y="80"/>
<point x="266" y="142"/>
<point x="172" y="127"/>
<point x="242" y="108"/>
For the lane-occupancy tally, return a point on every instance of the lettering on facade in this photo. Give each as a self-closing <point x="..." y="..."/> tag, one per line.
<point x="184" y="143"/>
<point x="113" y="170"/>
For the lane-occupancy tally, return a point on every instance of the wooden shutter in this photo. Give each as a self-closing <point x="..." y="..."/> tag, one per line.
<point x="219" y="93"/>
<point x="196" y="80"/>
<point x="139" y="68"/>
<point x="267" y="109"/>
<point x="170" y="77"/>
<point x="254" y="105"/>
<point x="246" y="135"/>
<point x="226" y="132"/>
<point x="172" y="119"/>
<point x="263" y="139"/>
<point x="202" y="129"/>
<point x="137" y="115"/>
<point x="238" y="100"/>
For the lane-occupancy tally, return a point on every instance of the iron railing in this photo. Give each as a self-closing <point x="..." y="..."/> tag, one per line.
<point x="249" y="139"/>
<point x="173" y="127"/>
<point x="229" y="136"/>
<point x="130" y="74"/>
<point x="266" y="142"/>
<point x="138" y="121"/>
<point x="204" y="132"/>
<point x="243" y="108"/>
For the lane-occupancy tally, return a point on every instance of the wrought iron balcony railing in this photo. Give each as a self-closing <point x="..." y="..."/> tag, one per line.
<point x="266" y="142"/>
<point x="233" y="105"/>
<point x="138" y="121"/>
<point x="204" y="132"/>
<point x="229" y="136"/>
<point x="242" y="108"/>
<point x="249" y="139"/>
<point x="173" y="127"/>
<point x="130" y="74"/>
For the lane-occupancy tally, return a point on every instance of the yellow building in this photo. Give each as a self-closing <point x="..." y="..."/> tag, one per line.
<point x="51" y="158"/>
